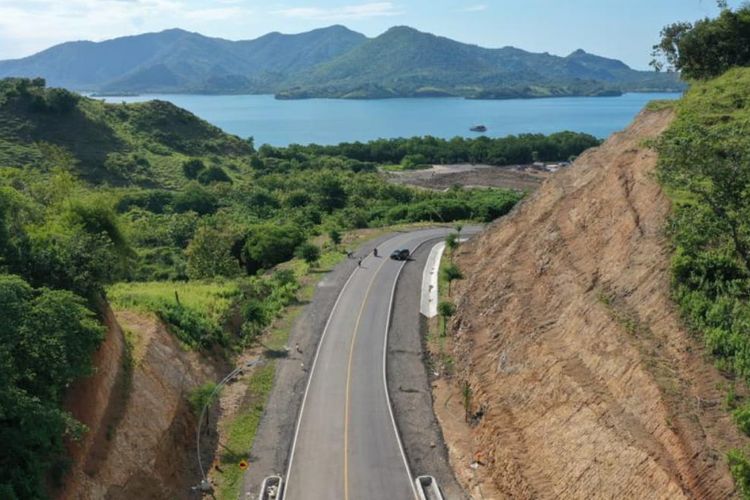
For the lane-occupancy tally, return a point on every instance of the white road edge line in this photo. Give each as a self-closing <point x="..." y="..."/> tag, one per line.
<point x="310" y="377"/>
<point x="385" y="376"/>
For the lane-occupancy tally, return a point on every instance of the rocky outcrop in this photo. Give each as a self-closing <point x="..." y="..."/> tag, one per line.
<point x="584" y="383"/>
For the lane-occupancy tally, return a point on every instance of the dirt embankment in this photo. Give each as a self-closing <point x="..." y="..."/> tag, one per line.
<point x="584" y="383"/>
<point x="141" y="438"/>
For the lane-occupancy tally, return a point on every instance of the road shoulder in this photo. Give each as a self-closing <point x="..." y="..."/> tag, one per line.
<point x="273" y="441"/>
<point x="409" y="383"/>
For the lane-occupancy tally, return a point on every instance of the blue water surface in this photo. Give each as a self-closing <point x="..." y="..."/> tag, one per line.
<point x="330" y="121"/>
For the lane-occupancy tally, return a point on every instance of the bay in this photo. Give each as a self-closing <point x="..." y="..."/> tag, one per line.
<point x="331" y="121"/>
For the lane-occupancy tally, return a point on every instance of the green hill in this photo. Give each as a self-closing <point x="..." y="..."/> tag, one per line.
<point x="139" y="144"/>
<point x="328" y="62"/>
<point x="179" y="61"/>
<point x="407" y="62"/>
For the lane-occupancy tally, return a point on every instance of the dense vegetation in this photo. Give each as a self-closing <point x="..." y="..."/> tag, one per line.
<point x="706" y="48"/>
<point x="329" y="62"/>
<point x="153" y="209"/>
<point x="416" y="151"/>
<point x="705" y="164"/>
<point x="406" y="62"/>
<point x="58" y="248"/>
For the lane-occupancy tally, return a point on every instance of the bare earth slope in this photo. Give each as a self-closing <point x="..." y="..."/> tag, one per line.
<point x="141" y="439"/>
<point x="588" y="383"/>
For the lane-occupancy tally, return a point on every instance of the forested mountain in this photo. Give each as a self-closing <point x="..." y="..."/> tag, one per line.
<point x="404" y="61"/>
<point x="180" y="61"/>
<point x="329" y="62"/>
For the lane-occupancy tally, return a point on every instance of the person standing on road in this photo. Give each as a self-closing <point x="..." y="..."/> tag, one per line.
<point x="375" y="251"/>
<point x="359" y="263"/>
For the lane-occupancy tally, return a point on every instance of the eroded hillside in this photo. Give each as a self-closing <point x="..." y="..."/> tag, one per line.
<point x="141" y="439"/>
<point x="584" y="383"/>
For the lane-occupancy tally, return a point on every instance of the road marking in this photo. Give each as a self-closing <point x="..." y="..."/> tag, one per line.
<point x="385" y="350"/>
<point x="349" y="380"/>
<point x="385" y="374"/>
<point x="312" y="372"/>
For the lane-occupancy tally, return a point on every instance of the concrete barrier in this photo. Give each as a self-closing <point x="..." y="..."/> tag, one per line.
<point x="272" y="488"/>
<point x="427" y="488"/>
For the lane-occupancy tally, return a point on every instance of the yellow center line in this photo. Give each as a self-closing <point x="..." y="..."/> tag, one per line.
<point x="349" y="380"/>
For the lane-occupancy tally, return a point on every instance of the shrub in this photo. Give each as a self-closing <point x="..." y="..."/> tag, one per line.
<point x="742" y="418"/>
<point x="213" y="174"/>
<point x="196" y="199"/>
<point x="309" y="253"/>
<point x="740" y="468"/>
<point x="192" y="168"/>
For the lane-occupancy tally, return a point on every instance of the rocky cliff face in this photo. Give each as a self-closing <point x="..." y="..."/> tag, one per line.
<point x="584" y="383"/>
<point x="141" y="438"/>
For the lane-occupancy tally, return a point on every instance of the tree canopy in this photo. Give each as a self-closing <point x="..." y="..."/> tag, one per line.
<point x="706" y="48"/>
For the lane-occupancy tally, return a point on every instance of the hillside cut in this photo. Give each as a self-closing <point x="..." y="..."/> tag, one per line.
<point x="584" y="383"/>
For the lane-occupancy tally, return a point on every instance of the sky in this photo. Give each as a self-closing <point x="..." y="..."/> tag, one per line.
<point x="622" y="29"/>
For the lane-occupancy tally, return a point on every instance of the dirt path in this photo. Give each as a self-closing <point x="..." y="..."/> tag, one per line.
<point x="520" y="177"/>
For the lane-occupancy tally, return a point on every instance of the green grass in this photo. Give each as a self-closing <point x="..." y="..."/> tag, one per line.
<point x="242" y="429"/>
<point x="661" y="104"/>
<point x="212" y="299"/>
<point x="703" y="167"/>
<point x="241" y="433"/>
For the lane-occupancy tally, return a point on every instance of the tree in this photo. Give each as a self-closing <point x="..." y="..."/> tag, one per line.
<point x="47" y="338"/>
<point x="335" y="236"/>
<point x="271" y="243"/>
<point x="309" y="253"/>
<point x="451" y="242"/>
<point x="451" y="273"/>
<point x="446" y="310"/>
<point x="330" y="191"/>
<point x="706" y="48"/>
<point x="712" y="165"/>
<point x="209" y="254"/>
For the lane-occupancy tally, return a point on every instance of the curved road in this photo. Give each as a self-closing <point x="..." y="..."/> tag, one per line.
<point x="346" y="445"/>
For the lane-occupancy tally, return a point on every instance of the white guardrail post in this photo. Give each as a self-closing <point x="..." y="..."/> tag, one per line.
<point x="427" y="488"/>
<point x="272" y="488"/>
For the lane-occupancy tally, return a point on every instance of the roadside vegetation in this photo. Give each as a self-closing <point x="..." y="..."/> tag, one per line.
<point x="704" y="163"/>
<point x="160" y="212"/>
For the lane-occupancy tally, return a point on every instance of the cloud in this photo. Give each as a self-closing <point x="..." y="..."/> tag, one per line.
<point x="361" y="11"/>
<point x="474" y="8"/>
<point x="216" y="13"/>
<point x="27" y="26"/>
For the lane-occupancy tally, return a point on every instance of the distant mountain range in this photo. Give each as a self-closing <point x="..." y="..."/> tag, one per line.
<point x="328" y="62"/>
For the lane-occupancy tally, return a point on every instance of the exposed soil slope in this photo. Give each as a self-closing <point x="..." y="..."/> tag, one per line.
<point x="583" y="381"/>
<point x="141" y="439"/>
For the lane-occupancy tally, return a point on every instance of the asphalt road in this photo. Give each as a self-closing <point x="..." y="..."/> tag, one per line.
<point x="346" y="445"/>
